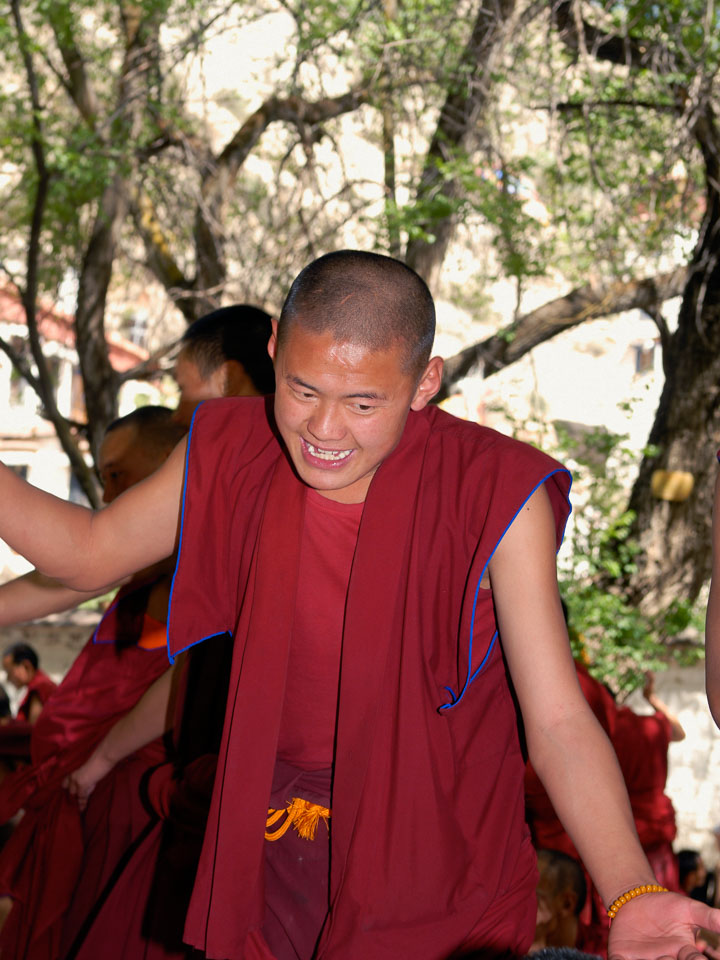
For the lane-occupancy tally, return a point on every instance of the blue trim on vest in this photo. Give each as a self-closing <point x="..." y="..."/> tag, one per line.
<point x="215" y="633"/>
<point x="455" y="700"/>
<point x="109" y="610"/>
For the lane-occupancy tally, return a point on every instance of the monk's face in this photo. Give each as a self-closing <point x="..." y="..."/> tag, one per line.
<point x="194" y="387"/>
<point x="124" y="461"/>
<point x="341" y="408"/>
<point x="19" y="674"/>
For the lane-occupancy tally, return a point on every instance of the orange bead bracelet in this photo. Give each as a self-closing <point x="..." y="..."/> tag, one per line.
<point x="631" y="894"/>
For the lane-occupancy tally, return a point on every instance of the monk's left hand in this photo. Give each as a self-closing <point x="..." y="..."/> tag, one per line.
<point x="81" y="782"/>
<point x="661" y="925"/>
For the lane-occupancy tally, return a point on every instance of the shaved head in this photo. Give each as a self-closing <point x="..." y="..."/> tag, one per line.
<point x="366" y="299"/>
<point x="155" y="430"/>
<point x="562" y="872"/>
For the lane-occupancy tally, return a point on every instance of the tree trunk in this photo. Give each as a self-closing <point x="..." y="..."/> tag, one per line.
<point x="675" y="537"/>
<point x="458" y="124"/>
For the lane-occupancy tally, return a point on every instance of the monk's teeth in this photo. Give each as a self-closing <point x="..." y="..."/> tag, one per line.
<point x="328" y="454"/>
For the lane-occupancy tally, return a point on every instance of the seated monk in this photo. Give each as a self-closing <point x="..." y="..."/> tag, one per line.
<point x="53" y="846"/>
<point x="561" y="893"/>
<point x="22" y="666"/>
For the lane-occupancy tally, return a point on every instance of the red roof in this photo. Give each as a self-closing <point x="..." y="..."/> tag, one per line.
<point x="60" y="327"/>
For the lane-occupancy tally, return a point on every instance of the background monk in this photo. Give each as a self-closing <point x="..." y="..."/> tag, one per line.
<point x="224" y="354"/>
<point x="22" y="666"/>
<point x="52" y="847"/>
<point x="641" y="743"/>
<point x="142" y="912"/>
<point x="370" y="550"/>
<point x="561" y="893"/>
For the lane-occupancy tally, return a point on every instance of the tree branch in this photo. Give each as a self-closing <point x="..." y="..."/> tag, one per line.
<point x="584" y="303"/>
<point x="77" y="83"/>
<point x="219" y="177"/>
<point x="457" y="123"/>
<point x="29" y="293"/>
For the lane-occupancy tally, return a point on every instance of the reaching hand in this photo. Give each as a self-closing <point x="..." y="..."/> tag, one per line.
<point x="660" y="925"/>
<point x="81" y="782"/>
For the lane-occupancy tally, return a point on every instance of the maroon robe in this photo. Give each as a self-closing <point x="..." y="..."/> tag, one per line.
<point x="141" y="911"/>
<point x="430" y="851"/>
<point x="44" y="857"/>
<point x="641" y="744"/>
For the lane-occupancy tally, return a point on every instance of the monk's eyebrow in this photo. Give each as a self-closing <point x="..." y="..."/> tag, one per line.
<point x="301" y="383"/>
<point x="361" y="395"/>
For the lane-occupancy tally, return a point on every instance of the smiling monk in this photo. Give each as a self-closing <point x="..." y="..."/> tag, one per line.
<point x="382" y="566"/>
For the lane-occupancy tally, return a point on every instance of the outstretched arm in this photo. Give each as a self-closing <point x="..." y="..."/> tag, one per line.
<point x="569" y="749"/>
<point x="34" y="595"/>
<point x="712" y="619"/>
<point x="677" y="731"/>
<point x="151" y="717"/>
<point x="90" y="550"/>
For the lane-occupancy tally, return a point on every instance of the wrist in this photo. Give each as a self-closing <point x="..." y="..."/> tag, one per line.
<point x="105" y="756"/>
<point x="633" y="893"/>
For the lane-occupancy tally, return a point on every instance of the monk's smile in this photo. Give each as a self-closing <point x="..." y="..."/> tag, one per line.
<point x="324" y="458"/>
<point x="340" y="408"/>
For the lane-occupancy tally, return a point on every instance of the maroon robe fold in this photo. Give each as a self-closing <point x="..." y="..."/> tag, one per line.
<point x="41" y="863"/>
<point x="141" y="910"/>
<point x="428" y="832"/>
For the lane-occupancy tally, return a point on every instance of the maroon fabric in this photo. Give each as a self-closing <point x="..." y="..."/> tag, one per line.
<point x="114" y="818"/>
<point x="15" y="740"/>
<point x="297" y="870"/>
<point x="428" y="832"/>
<point x="41" y="686"/>
<point x="118" y="931"/>
<point x="41" y="863"/>
<point x="307" y="729"/>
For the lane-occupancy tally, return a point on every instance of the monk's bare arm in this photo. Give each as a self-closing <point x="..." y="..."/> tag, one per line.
<point x="567" y="746"/>
<point x="570" y="751"/>
<point x="34" y="595"/>
<point x="86" y="549"/>
<point x="712" y="619"/>
<point x="148" y="719"/>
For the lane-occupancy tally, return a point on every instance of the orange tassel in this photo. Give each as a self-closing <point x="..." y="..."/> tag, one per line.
<point x="301" y="814"/>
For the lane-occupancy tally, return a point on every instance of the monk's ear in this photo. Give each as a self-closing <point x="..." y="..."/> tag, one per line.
<point x="272" y="342"/>
<point x="567" y="905"/>
<point x="430" y="383"/>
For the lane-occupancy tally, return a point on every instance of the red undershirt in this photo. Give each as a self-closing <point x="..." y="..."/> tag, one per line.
<point x="307" y="730"/>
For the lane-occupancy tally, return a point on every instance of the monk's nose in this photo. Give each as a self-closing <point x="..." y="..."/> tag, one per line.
<point x="326" y="423"/>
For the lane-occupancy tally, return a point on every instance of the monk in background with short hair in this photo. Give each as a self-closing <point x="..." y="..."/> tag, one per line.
<point x="22" y="666"/>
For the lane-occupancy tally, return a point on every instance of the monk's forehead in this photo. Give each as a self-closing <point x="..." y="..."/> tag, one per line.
<point x="119" y="443"/>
